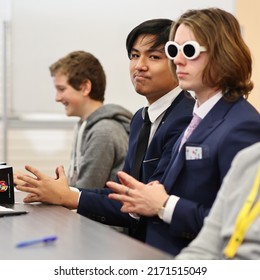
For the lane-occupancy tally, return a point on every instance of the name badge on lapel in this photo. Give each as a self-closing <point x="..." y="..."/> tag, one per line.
<point x="193" y="153"/>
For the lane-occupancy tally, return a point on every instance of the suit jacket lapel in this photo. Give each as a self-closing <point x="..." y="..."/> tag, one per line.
<point x="212" y="120"/>
<point x="174" y="106"/>
<point x="174" y="166"/>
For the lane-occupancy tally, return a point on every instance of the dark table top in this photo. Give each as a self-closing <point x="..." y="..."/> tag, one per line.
<point x="78" y="237"/>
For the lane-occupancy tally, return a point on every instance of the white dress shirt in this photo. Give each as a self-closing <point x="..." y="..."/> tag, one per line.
<point x="201" y="111"/>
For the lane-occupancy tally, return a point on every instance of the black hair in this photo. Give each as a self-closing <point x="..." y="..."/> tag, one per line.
<point x="158" y="27"/>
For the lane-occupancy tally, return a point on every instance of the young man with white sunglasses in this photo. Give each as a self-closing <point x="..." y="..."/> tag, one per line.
<point x="213" y="61"/>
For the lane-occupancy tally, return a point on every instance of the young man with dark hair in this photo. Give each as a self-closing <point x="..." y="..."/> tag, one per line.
<point x="169" y="110"/>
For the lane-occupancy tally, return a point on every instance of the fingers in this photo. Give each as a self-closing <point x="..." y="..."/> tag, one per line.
<point x="127" y="183"/>
<point x="31" y="198"/>
<point x="152" y="183"/>
<point x="60" y="173"/>
<point x="27" y="188"/>
<point x="128" y="180"/>
<point x="22" y="179"/>
<point x="127" y="191"/>
<point x="127" y="208"/>
<point x="121" y="197"/>
<point x="118" y="188"/>
<point x="121" y="192"/>
<point x="17" y="181"/>
<point x="28" y="183"/>
<point x="25" y="179"/>
<point x="15" y="178"/>
<point x="34" y="171"/>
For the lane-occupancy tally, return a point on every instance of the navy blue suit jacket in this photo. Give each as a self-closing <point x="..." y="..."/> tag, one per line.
<point x="226" y="129"/>
<point x="158" y="154"/>
<point x="96" y="205"/>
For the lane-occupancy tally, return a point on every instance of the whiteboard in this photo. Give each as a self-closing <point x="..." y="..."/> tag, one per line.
<point x="43" y="31"/>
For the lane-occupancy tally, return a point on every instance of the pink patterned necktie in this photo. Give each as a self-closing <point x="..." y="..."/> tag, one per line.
<point x="193" y="124"/>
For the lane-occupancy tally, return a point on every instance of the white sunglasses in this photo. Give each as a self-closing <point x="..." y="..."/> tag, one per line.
<point x="190" y="49"/>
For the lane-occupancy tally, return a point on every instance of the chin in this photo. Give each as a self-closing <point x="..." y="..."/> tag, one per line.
<point x="140" y="92"/>
<point x="184" y="86"/>
<point x="68" y="113"/>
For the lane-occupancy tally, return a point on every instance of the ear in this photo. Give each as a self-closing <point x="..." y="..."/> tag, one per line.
<point x="86" y="87"/>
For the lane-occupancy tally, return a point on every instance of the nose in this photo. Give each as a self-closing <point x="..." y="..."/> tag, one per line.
<point x="179" y="58"/>
<point x="141" y="64"/>
<point x="58" y="97"/>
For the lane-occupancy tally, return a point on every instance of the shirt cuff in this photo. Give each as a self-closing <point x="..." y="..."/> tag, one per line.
<point x="79" y="197"/>
<point x="74" y="189"/>
<point x="169" y="208"/>
<point x="134" y="216"/>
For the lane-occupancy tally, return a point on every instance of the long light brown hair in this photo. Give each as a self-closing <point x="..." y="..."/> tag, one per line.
<point x="229" y="66"/>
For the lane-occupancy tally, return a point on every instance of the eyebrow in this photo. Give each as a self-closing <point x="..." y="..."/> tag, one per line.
<point x="60" y="86"/>
<point x="150" y="50"/>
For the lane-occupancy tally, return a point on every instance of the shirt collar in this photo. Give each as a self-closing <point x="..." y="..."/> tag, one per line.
<point x="162" y="104"/>
<point x="203" y="109"/>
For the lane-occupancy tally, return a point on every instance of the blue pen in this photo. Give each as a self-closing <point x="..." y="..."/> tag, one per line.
<point x="45" y="240"/>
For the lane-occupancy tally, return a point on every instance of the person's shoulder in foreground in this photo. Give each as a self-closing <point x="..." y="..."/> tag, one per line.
<point x="214" y="241"/>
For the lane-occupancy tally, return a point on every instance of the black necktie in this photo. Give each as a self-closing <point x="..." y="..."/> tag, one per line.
<point x="141" y="146"/>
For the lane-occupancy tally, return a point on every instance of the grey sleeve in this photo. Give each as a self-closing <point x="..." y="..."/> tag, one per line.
<point x="103" y="152"/>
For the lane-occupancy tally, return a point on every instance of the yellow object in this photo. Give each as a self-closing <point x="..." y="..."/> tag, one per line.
<point x="246" y="216"/>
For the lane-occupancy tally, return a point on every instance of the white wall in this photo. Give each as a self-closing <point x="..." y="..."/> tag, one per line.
<point x="44" y="30"/>
<point x="40" y="32"/>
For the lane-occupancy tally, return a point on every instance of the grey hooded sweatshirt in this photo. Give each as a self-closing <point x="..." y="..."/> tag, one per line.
<point x="99" y="147"/>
